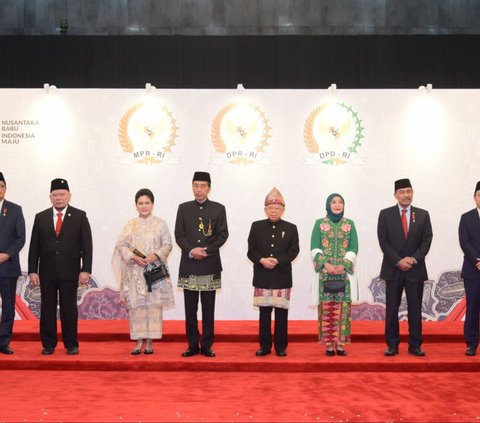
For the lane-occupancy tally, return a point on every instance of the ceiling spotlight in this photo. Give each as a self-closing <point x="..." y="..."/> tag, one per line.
<point x="332" y="88"/>
<point x="63" y="26"/>
<point x="47" y="87"/>
<point x="426" y="89"/>
<point x="149" y="87"/>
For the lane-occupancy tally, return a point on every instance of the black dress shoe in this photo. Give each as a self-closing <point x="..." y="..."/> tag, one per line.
<point x="471" y="351"/>
<point x="282" y="353"/>
<point x="136" y="351"/>
<point x="416" y="351"/>
<point x="189" y="353"/>
<point x="391" y="351"/>
<point x="341" y="353"/>
<point x="6" y="350"/>
<point x="72" y="351"/>
<point x="208" y="352"/>
<point x="48" y="351"/>
<point x="262" y="351"/>
<point x="329" y="353"/>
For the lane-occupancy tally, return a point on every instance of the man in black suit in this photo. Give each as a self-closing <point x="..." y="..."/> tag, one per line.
<point x="405" y="235"/>
<point x="200" y="230"/>
<point x="12" y="239"/>
<point x="60" y="258"/>
<point x="469" y="236"/>
<point x="272" y="246"/>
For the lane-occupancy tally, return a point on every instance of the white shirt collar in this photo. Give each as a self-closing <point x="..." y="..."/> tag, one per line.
<point x="63" y="211"/>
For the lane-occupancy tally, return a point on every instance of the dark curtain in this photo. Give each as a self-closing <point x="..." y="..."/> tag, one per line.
<point x="407" y="61"/>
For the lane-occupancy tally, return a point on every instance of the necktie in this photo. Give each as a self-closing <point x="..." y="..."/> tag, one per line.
<point x="404" y="222"/>
<point x="58" y="226"/>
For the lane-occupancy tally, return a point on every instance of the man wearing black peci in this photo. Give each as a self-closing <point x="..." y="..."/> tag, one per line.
<point x="405" y="235"/>
<point x="200" y="230"/>
<point x="59" y="259"/>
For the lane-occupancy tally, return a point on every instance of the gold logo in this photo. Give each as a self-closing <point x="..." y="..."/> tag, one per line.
<point x="333" y="133"/>
<point x="148" y="132"/>
<point x="240" y="132"/>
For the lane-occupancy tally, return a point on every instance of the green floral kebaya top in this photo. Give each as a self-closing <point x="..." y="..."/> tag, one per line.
<point x="337" y="244"/>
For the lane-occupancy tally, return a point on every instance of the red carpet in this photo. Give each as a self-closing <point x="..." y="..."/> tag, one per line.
<point x="51" y="396"/>
<point x="240" y="357"/>
<point x="106" y="383"/>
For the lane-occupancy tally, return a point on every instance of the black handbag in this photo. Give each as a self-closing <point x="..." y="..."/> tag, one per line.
<point x="155" y="272"/>
<point x="334" y="284"/>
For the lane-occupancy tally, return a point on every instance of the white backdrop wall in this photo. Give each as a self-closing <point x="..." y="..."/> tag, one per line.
<point x="84" y="136"/>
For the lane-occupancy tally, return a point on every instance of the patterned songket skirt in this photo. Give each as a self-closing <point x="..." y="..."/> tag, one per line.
<point x="334" y="322"/>
<point x="200" y="282"/>
<point x="279" y="298"/>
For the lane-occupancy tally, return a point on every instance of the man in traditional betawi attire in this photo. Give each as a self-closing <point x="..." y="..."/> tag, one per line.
<point x="272" y="246"/>
<point x="200" y="230"/>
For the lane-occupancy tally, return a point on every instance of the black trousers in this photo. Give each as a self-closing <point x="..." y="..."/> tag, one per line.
<point x="66" y="293"/>
<point x="8" y="288"/>
<point x="280" y="334"/>
<point x="414" y="293"/>
<point x="472" y="315"/>
<point x="208" y="318"/>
